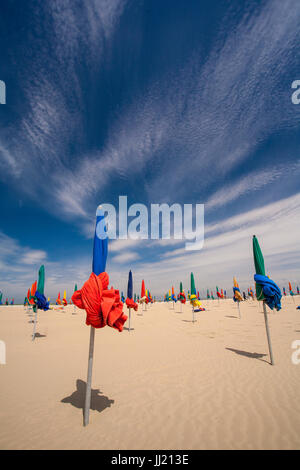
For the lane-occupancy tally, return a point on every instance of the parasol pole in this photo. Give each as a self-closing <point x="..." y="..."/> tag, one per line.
<point x="34" y="324"/>
<point x="87" y="404"/>
<point x="193" y="293"/>
<point x="74" y="309"/>
<point x="129" y="296"/>
<point x="268" y="334"/>
<point x="129" y="319"/>
<point x="40" y="289"/>
<point x="260" y="269"/>
<point x="99" y="262"/>
<point x="238" y="303"/>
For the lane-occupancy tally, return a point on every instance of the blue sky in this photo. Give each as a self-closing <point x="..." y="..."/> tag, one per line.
<point x="172" y="101"/>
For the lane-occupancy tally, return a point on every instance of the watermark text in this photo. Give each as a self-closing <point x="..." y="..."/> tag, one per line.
<point x="2" y="92"/>
<point x="163" y="221"/>
<point x="296" y="95"/>
<point x="2" y="352"/>
<point x="296" y="354"/>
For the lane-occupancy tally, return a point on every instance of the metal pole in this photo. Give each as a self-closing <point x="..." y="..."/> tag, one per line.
<point x="239" y="309"/>
<point x="34" y="324"/>
<point x="87" y="404"/>
<point x="129" y="319"/>
<point x="268" y="334"/>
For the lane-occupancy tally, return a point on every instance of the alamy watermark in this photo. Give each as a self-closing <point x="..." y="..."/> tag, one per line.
<point x="296" y="95"/>
<point x="2" y="353"/>
<point x="296" y="354"/>
<point x="179" y="222"/>
<point x="2" y="92"/>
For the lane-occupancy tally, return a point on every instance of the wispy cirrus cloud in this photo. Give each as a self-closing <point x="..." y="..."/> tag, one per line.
<point x="188" y="134"/>
<point x="11" y="249"/>
<point x="233" y="101"/>
<point x="252" y="182"/>
<point x="212" y="113"/>
<point x="18" y="265"/>
<point x="37" y="145"/>
<point x="33" y="257"/>
<point x="228" y="251"/>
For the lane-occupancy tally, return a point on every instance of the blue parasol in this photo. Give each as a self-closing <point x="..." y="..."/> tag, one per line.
<point x="129" y="287"/>
<point x="100" y="243"/>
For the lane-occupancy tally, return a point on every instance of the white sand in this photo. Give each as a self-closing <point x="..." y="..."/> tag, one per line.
<point x="169" y="384"/>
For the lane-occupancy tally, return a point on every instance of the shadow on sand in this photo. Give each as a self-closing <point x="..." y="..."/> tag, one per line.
<point x="38" y="335"/>
<point x="98" y="402"/>
<point x="249" y="354"/>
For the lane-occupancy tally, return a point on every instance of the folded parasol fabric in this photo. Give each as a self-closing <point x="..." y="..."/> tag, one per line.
<point x="131" y="304"/>
<point x="271" y="291"/>
<point x="41" y="301"/>
<point x="103" y="306"/>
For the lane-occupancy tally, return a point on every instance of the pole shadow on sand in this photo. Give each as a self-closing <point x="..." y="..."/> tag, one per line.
<point x="38" y="335"/>
<point x="98" y="402"/>
<point x="249" y="354"/>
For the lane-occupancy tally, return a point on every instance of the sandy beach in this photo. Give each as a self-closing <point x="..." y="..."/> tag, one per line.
<point x="168" y="384"/>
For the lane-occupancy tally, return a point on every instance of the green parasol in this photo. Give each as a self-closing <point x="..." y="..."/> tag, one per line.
<point x="259" y="264"/>
<point x="260" y="269"/>
<point x="193" y="288"/>
<point x="41" y="281"/>
<point x="40" y="288"/>
<point x="193" y="292"/>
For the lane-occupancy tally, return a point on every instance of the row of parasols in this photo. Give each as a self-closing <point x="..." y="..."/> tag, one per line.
<point x="36" y="299"/>
<point x="7" y="301"/>
<point x="104" y="307"/>
<point x="193" y="296"/>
